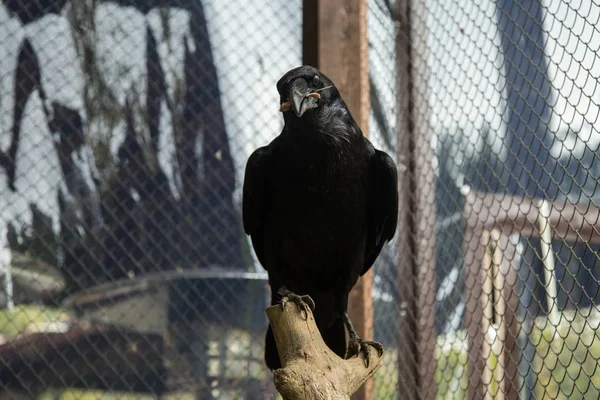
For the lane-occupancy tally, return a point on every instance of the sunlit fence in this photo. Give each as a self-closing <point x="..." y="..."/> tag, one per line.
<point x="125" y="130"/>
<point x="125" y="127"/>
<point x="512" y="99"/>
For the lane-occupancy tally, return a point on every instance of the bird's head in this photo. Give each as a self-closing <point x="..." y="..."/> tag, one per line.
<point x="304" y="89"/>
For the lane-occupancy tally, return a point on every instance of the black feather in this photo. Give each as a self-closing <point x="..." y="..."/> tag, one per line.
<point x="319" y="203"/>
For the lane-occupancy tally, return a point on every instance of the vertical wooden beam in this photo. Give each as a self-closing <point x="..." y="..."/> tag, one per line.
<point x="488" y="266"/>
<point x="424" y="200"/>
<point x="474" y="314"/>
<point x="417" y="205"/>
<point x="341" y="51"/>
<point x="408" y="357"/>
<point x="507" y="311"/>
<point x="499" y="311"/>
<point x="335" y="41"/>
<point x="481" y="216"/>
<point x="474" y="250"/>
<point x="500" y="380"/>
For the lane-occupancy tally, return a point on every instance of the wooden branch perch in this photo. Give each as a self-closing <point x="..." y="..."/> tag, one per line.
<point x="311" y="371"/>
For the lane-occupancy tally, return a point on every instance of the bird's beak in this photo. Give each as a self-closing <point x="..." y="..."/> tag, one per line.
<point x="301" y="98"/>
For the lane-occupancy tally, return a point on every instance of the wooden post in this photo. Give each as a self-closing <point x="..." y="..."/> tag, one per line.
<point x="474" y="311"/>
<point x="424" y="207"/>
<point x="498" y="334"/>
<point x="310" y="370"/>
<point x="407" y="352"/>
<point x="507" y="311"/>
<point x="488" y="267"/>
<point x="416" y="233"/>
<point x="548" y="261"/>
<point x="499" y="218"/>
<point x="335" y="41"/>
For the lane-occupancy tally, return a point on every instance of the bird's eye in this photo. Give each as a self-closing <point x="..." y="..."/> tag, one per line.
<point x="316" y="80"/>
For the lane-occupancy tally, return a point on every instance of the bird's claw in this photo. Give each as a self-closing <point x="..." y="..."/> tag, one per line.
<point x="304" y="302"/>
<point x="358" y="345"/>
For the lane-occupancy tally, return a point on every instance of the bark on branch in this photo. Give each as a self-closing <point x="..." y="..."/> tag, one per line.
<point x="311" y="371"/>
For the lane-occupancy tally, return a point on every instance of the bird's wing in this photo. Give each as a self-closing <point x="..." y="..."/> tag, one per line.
<point x="255" y="197"/>
<point x="383" y="205"/>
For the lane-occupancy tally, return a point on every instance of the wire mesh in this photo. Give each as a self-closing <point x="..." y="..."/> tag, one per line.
<point x="512" y="99"/>
<point x="382" y="133"/>
<point x="125" y="129"/>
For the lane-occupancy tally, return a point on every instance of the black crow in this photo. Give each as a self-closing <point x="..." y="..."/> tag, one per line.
<point x="318" y="203"/>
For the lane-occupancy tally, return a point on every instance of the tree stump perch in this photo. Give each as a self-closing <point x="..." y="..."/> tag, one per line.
<point x="310" y="370"/>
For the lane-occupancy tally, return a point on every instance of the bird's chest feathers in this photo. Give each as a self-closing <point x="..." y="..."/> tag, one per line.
<point x="327" y="184"/>
<point x="322" y="180"/>
<point x="324" y="171"/>
<point x="321" y="175"/>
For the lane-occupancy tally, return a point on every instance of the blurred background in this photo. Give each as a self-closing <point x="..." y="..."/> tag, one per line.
<point x="125" y="126"/>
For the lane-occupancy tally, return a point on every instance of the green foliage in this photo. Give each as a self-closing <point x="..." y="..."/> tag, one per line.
<point x="565" y="362"/>
<point x="451" y="375"/>
<point x="29" y="318"/>
<point x="76" y="394"/>
<point x="566" y="358"/>
<point x="386" y="379"/>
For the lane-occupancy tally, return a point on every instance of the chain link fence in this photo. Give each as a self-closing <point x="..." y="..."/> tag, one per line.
<point x="125" y="129"/>
<point x="512" y="98"/>
<point x="381" y="32"/>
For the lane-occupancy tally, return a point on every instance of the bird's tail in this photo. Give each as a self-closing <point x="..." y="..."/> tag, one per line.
<point x="334" y="337"/>
<point x="271" y="355"/>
